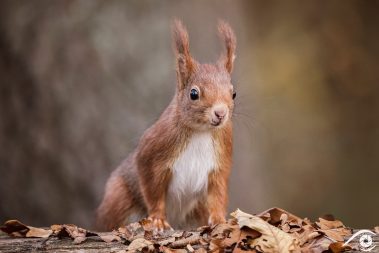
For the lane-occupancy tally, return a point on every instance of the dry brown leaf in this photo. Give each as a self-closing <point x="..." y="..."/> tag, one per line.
<point x="14" y="228"/>
<point x="320" y="244"/>
<point x="69" y="230"/>
<point x="189" y="248"/>
<point x="329" y="224"/>
<point x="165" y="249"/>
<point x="286" y="227"/>
<point x="232" y="238"/>
<point x="204" y="241"/>
<point x="171" y="239"/>
<point x="272" y="238"/>
<point x="215" y="245"/>
<point x="135" y="229"/>
<point x="246" y="235"/>
<point x="109" y="237"/>
<point x="194" y="239"/>
<point x="336" y="234"/>
<point x="124" y="232"/>
<point x="79" y="239"/>
<point x="38" y="232"/>
<point x="178" y="234"/>
<point x="238" y="250"/>
<point x="75" y="231"/>
<point x="204" y="230"/>
<point x="284" y="220"/>
<point x="18" y="229"/>
<point x="201" y="250"/>
<point x="337" y="247"/>
<point x="274" y="230"/>
<point x="276" y="216"/>
<point x="306" y="234"/>
<point x="220" y="230"/>
<point x="166" y="241"/>
<point x="334" y="229"/>
<point x="226" y="235"/>
<point x="139" y="244"/>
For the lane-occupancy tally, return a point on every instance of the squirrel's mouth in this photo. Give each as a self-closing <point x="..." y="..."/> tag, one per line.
<point x="216" y="123"/>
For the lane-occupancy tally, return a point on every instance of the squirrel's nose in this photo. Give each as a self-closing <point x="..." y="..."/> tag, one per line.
<point x="220" y="112"/>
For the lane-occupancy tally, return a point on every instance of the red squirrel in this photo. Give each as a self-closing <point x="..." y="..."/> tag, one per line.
<point x="178" y="174"/>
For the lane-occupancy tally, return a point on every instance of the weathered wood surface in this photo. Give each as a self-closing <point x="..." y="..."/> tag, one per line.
<point x="92" y="244"/>
<point x="355" y="242"/>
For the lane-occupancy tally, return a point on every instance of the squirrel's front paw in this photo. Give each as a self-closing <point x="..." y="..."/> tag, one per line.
<point x="159" y="224"/>
<point x="216" y="219"/>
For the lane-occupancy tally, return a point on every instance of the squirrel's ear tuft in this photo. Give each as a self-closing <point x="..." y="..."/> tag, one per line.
<point x="227" y="35"/>
<point x="185" y="63"/>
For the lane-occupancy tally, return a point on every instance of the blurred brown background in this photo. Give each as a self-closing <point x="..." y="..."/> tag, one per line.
<point x="81" y="80"/>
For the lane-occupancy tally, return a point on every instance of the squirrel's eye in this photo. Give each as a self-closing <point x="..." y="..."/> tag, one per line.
<point x="234" y="94"/>
<point x="194" y="94"/>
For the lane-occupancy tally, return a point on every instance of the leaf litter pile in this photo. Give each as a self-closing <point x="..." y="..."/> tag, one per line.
<point x="274" y="230"/>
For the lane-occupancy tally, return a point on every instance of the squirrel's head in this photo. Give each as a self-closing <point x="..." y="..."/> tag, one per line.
<point x="205" y="93"/>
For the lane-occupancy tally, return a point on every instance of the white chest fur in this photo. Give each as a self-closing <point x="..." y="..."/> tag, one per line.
<point x="190" y="176"/>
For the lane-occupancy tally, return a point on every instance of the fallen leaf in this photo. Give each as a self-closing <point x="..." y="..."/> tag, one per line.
<point x="238" y="250"/>
<point x="139" y="244"/>
<point x="334" y="229"/>
<point x="286" y="227"/>
<point x="276" y="216"/>
<point x="306" y="234"/>
<point x="189" y="248"/>
<point x="272" y="238"/>
<point x="79" y="239"/>
<point x="165" y="249"/>
<point x="320" y="244"/>
<point x="194" y="239"/>
<point x="18" y="229"/>
<point x="135" y="229"/>
<point x="274" y="230"/>
<point x="38" y="232"/>
<point x="329" y="224"/>
<point x="178" y="234"/>
<point x="337" y="247"/>
<point x="69" y="230"/>
<point x="166" y="241"/>
<point x="215" y="245"/>
<point x="109" y="238"/>
<point x="336" y="234"/>
<point x="204" y="230"/>
<point x="125" y="233"/>
<point x="226" y="234"/>
<point x="247" y="234"/>
<point x="201" y="250"/>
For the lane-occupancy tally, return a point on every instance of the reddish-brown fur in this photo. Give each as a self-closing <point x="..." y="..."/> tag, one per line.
<point x="139" y="185"/>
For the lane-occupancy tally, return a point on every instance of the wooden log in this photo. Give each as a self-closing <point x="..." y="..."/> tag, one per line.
<point x="137" y="239"/>
<point x="92" y="244"/>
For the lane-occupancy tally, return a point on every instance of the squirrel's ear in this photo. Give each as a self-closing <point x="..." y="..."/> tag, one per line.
<point x="227" y="35"/>
<point x="185" y="63"/>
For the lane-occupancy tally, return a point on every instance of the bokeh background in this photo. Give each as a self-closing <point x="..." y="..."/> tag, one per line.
<point x="81" y="80"/>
